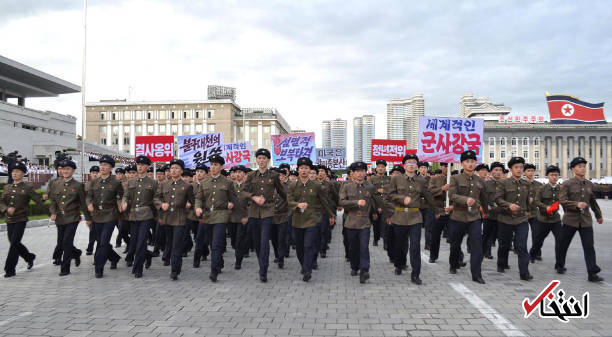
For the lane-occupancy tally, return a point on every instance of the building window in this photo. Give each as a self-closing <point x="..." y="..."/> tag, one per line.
<point x="162" y="115"/>
<point x="536" y="154"/>
<point x="186" y="114"/>
<point x="126" y="141"/>
<point x="525" y="154"/>
<point x="211" y="127"/>
<point x="162" y="130"/>
<point x="149" y="114"/>
<point x="127" y="115"/>
<point x="491" y="154"/>
<point x="210" y="114"/>
<point x="138" y="116"/>
<point x="186" y="129"/>
<point x="150" y="129"/>
<point x="514" y="153"/>
<point x="139" y="130"/>
<point x="174" y="129"/>
<point x="536" y="141"/>
<point x="491" y="141"/>
<point x="502" y="154"/>
<point x="502" y="141"/>
<point x="513" y="141"/>
<point x="102" y="115"/>
<point x="525" y="141"/>
<point x="198" y="128"/>
<point x="173" y="114"/>
<point x="103" y="141"/>
<point x="198" y="114"/>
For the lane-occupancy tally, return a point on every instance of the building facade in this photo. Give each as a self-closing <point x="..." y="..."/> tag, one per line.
<point x="36" y="134"/>
<point x="116" y="123"/>
<point x="403" y="118"/>
<point x="481" y="107"/>
<point x="334" y="133"/>
<point x="363" y="133"/>
<point x="545" y="144"/>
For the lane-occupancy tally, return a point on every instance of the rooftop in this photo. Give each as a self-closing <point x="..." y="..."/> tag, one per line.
<point x="21" y="81"/>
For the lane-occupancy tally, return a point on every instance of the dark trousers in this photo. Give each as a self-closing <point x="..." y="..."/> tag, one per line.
<point x="543" y="230"/>
<point x="377" y="227"/>
<point x="345" y="243"/>
<point x="232" y="232"/>
<point x="66" y="233"/>
<point x="474" y="230"/>
<point x="324" y="233"/>
<point x="428" y="220"/>
<point x="92" y="237"/>
<point x="123" y="227"/>
<point x="139" y="234"/>
<point x="261" y="238"/>
<point x="159" y="237"/>
<point x="242" y="235"/>
<point x="521" y="232"/>
<point x="175" y="238"/>
<point x="190" y="227"/>
<point x="534" y="225"/>
<point x="436" y="235"/>
<point x="218" y="246"/>
<point x="401" y="236"/>
<point x="279" y="242"/>
<point x="16" y="249"/>
<point x="202" y="242"/>
<point x="489" y="234"/>
<point x="104" y="250"/>
<point x="359" y="251"/>
<point x="59" y="247"/>
<point x="131" y="248"/>
<point x="389" y="240"/>
<point x="588" y="247"/>
<point x="305" y="247"/>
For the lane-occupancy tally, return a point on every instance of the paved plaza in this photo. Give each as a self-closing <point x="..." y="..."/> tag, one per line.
<point x="38" y="302"/>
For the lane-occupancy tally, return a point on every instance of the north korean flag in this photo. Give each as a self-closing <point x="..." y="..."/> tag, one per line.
<point x="565" y="109"/>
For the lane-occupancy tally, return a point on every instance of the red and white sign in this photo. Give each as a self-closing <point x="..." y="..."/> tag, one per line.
<point x="531" y="119"/>
<point x="389" y="150"/>
<point x="157" y="148"/>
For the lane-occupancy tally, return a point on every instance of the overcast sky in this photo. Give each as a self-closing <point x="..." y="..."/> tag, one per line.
<point x="316" y="60"/>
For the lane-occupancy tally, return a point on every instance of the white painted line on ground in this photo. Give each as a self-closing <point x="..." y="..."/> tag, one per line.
<point x="487" y="311"/>
<point x="8" y="320"/>
<point x="33" y="267"/>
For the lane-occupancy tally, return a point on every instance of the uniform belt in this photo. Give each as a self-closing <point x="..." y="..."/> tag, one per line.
<point x="64" y="213"/>
<point x="406" y="209"/>
<point x="106" y="206"/>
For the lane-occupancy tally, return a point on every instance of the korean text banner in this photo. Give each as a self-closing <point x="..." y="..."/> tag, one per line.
<point x="389" y="150"/>
<point x="334" y="158"/>
<point x="288" y="148"/>
<point x="196" y="149"/>
<point x="444" y="139"/>
<point x="157" y="148"/>
<point x="237" y="154"/>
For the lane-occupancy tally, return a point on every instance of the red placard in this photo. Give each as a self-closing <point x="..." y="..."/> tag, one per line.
<point x="389" y="150"/>
<point x="157" y="148"/>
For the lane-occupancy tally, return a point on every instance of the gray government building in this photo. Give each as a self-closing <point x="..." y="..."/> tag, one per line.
<point x="541" y="143"/>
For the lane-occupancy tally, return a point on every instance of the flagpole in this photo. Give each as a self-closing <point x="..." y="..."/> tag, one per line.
<point x="83" y="112"/>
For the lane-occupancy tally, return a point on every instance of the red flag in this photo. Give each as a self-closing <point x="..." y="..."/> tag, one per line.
<point x="564" y="109"/>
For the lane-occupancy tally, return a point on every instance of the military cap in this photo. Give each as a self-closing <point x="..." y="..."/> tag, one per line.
<point x="215" y="158"/>
<point x="107" y="159"/>
<point x="515" y="160"/>
<point x="381" y="161"/>
<point x="304" y="161"/>
<point x="262" y="152"/>
<point x="94" y="168"/>
<point x="143" y="160"/>
<point x="469" y="154"/>
<point x="576" y="161"/>
<point x="410" y="156"/>
<point x="67" y="163"/>
<point x="178" y="162"/>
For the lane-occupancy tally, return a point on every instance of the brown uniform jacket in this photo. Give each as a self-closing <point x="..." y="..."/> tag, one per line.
<point x="18" y="196"/>
<point x="281" y="207"/>
<point x="262" y="184"/>
<point x="491" y="188"/>
<point x="104" y="194"/>
<point x="438" y="195"/>
<point x="546" y="195"/>
<point x="177" y="193"/>
<point x="68" y="201"/>
<point x="140" y="197"/>
<point x="415" y="187"/>
<point x="534" y="186"/>
<point x="573" y="191"/>
<point x="358" y="217"/>
<point x="513" y="191"/>
<point x="213" y="197"/>
<point x="240" y="210"/>
<point x="461" y="188"/>
<point x="311" y="193"/>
